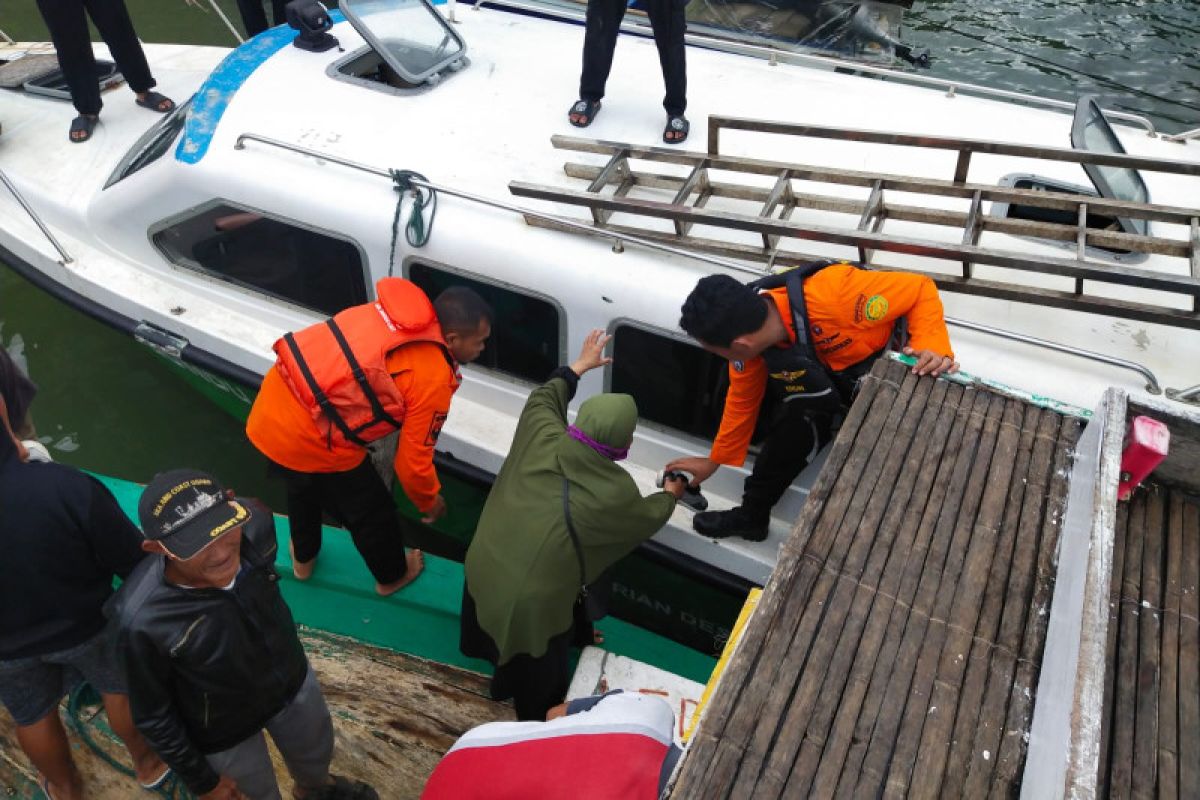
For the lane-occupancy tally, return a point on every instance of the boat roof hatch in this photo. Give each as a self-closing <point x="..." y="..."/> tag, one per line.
<point x="1091" y="131"/>
<point x="409" y="35"/>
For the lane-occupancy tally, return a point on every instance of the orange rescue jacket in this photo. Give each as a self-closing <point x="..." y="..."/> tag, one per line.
<point x="337" y="369"/>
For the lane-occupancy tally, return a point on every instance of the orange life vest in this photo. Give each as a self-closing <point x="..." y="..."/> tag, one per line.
<point x="337" y="369"/>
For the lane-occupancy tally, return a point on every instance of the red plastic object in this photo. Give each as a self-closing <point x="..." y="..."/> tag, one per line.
<point x="1145" y="448"/>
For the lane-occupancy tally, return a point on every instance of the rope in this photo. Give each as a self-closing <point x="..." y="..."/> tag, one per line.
<point x="85" y="695"/>
<point x="417" y="229"/>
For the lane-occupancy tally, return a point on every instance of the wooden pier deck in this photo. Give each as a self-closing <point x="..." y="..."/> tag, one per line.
<point x="1150" y="745"/>
<point x="896" y="648"/>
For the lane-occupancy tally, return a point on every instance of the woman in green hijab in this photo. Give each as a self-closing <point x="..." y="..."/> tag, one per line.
<point x="522" y="568"/>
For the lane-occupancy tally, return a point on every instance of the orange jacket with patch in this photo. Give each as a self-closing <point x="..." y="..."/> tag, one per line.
<point x="284" y="431"/>
<point x="851" y="312"/>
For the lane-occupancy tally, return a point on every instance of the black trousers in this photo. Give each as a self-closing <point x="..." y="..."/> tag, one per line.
<point x="359" y="502"/>
<point x="536" y="684"/>
<point x="793" y="438"/>
<point x="604" y="23"/>
<point x="67" y="21"/>
<point x="254" y="17"/>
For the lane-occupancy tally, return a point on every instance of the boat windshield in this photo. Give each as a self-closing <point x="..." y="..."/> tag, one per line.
<point x="1091" y="131"/>
<point x="410" y="35"/>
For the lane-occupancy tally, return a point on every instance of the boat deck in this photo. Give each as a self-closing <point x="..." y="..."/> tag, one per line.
<point x="394" y="716"/>
<point x="1151" y="738"/>
<point x="896" y="648"/>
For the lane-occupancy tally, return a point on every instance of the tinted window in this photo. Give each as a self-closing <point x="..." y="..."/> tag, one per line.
<point x="271" y="256"/>
<point x="675" y="383"/>
<point x="524" y="340"/>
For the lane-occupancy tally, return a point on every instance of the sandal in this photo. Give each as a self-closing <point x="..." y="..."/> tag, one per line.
<point x="676" y="130"/>
<point x="586" y="110"/>
<point x="83" y="125"/>
<point x="159" y="781"/>
<point x="156" y="102"/>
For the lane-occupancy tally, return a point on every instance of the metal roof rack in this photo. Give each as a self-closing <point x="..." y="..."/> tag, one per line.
<point x="771" y="210"/>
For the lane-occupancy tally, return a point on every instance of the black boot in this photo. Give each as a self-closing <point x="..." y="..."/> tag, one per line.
<point x="734" y="522"/>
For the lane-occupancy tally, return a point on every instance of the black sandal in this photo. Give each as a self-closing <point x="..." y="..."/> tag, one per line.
<point x="82" y="124"/>
<point x="154" y="101"/>
<point x="676" y="125"/>
<point x="588" y="109"/>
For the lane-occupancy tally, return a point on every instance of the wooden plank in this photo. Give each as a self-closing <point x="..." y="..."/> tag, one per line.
<point x="1145" y="743"/>
<point x="830" y="603"/>
<point x="883" y="743"/>
<point x="1168" y="694"/>
<point x="1051" y="265"/>
<point x="920" y="709"/>
<point x="1189" y="654"/>
<point x="1161" y="315"/>
<point x="825" y="743"/>
<point x="1011" y="755"/>
<point x="891" y="182"/>
<point x="781" y="190"/>
<point x="1195" y="242"/>
<point x="1125" y="697"/>
<point x="1068" y="154"/>
<point x="900" y="588"/>
<point x="970" y="705"/>
<point x="696" y="178"/>
<point x="705" y="757"/>
<point x="1120" y="535"/>
<point x="1017" y="597"/>
<point x="823" y="559"/>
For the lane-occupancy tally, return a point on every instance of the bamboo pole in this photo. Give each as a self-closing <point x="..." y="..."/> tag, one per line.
<point x="1189" y="654"/>
<point x="1145" y="743"/>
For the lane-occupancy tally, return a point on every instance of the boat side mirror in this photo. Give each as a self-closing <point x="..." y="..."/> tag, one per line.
<point x="311" y="18"/>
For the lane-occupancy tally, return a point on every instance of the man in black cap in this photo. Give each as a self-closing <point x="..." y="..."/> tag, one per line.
<point x="211" y="652"/>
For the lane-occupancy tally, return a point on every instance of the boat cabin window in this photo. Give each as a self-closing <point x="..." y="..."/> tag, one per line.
<point x="676" y="384"/>
<point x="412" y="38"/>
<point x="525" y="333"/>
<point x="1091" y="131"/>
<point x="302" y="266"/>
<point x="1061" y="216"/>
<point x="152" y="144"/>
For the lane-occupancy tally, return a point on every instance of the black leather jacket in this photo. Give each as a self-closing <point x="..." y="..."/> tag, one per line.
<point x="207" y="668"/>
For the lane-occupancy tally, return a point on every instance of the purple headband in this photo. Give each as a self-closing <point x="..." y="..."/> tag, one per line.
<point x="609" y="452"/>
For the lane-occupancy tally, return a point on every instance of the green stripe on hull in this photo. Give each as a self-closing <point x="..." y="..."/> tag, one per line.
<point x="422" y="619"/>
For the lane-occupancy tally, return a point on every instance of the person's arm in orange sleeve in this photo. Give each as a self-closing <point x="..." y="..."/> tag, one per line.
<point x="428" y="403"/>
<point x="914" y="297"/>
<point x="732" y="442"/>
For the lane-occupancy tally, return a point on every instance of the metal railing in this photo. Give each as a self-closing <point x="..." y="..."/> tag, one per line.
<point x="1194" y="133"/>
<point x="5" y="37"/>
<point x="65" y="257"/>
<point x="1189" y="395"/>
<point x="774" y="55"/>
<point x="1152" y="384"/>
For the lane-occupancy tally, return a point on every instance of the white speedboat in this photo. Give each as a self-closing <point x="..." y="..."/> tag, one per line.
<point x="131" y="226"/>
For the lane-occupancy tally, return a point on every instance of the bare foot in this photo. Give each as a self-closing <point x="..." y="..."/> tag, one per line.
<point x="303" y="570"/>
<point x="415" y="561"/>
<point x="597" y="636"/>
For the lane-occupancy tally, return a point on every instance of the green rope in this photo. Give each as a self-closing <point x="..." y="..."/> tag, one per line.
<point x="417" y="229"/>
<point x="85" y="695"/>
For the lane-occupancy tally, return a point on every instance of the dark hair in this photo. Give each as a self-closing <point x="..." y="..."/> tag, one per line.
<point x="461" y="310"/>
<point x="720" y="309"/>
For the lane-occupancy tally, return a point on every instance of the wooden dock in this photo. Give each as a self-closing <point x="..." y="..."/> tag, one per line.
<point x="1150" y="745"/>
<point x="896" y="648"/>
<point x="394" y="717"/>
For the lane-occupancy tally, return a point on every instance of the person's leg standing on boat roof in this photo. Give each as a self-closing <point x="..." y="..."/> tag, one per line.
<point x="668" y="20"/>
<point x="599" y="43"/>
<point x="254" y="16"/>
<point x="67" y="21"/>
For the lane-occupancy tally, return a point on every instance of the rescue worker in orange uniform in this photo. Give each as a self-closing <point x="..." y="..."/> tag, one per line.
<point x="846" y="318"/>
<point x="341" y="384"/>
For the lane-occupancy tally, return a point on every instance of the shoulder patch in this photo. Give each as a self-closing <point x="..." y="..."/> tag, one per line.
<point x="738" y="366"/>
<point x="876" y="307"/>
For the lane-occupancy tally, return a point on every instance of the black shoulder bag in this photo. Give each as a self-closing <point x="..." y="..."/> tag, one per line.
<point x="594" y="598"/>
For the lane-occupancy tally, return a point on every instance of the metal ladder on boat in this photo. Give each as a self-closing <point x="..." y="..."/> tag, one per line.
<point x="769" y="206"/>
